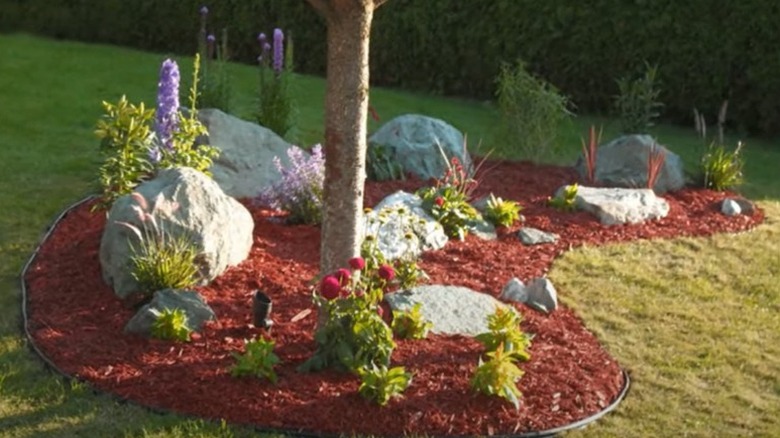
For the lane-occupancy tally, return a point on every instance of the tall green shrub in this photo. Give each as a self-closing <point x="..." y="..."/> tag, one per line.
<point x="531" y="111"/>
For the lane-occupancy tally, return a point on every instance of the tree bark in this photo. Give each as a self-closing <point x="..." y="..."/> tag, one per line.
<point x="346" y="107"/>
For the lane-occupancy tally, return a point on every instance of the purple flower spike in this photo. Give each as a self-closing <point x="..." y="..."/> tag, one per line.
<point x="204" y="10"/>
<point x="211" y="38"/>
<point x="261" y="38"/>
<point x="278" y="50"/>
<point x="166" y="122"/>
<point x="266" y="48"/>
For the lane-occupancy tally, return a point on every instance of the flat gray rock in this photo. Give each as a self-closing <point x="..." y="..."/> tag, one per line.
<point x="540" y="294"/>
<point x="453" y="310"/>
<point x="615" y="206"/>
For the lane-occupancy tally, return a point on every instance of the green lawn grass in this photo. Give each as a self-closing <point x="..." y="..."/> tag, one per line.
<point x="697" y="325"/>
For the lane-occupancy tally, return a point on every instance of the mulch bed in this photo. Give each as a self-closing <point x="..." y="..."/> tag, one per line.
<point x="77" y="322"/>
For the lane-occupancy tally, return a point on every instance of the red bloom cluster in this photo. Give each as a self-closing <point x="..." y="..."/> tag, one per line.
<point x="386" y="272"/>
<point x="334" y="285"/>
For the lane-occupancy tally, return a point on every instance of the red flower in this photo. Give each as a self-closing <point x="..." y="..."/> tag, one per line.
<point x="359" y="293"/>
<point x="439" y="201"/>
<point x="380" y="311"/>
<point x="343" y="276"/>
<point x="357" y="263"/>
<point x="386" y="272"/>
<point x="330" y="287"/>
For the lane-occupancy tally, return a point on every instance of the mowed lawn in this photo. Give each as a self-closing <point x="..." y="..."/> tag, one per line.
<point x="696" y="321"/>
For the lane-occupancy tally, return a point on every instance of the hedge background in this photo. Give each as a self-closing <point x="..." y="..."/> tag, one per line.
<point x="706" y="50"/>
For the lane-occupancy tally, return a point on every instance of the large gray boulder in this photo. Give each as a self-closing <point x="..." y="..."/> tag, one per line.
<point x="183" y="202"/>
<point x="195" y="309"/>
<point x="613" y="206"/>
<point x="245" y="165"/>
<point x="623" y="163"/>
<point x="411" y="141"/>
<point x="402" y="227"/>
<point x="453" y="310"/>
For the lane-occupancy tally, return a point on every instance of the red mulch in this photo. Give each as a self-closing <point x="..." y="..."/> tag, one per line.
<point x="77" y="321"/>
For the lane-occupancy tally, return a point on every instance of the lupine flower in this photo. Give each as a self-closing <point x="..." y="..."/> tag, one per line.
<point x="261" y="38"/>
<point x="330" y="287"/>
<point x="204" y="10"/>
<point x="386" y="272"/>
<point x="211" y="38"/>
<point x="167" y="103"/>
<point x="266" y="48"/>
<point x="357" y="263"/>
<point x="278" y="50"/>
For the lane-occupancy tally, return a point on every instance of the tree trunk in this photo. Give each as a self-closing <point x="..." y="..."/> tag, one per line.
<point x="346" y="106"/>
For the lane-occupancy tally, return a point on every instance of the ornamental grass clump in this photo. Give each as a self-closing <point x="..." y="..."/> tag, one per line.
<point x="275" y="104"/>
<point x="137" y="143"/>
<point x="722" y="169"/>
<point x="160" y="259"/>
<point x="300" y="188"/>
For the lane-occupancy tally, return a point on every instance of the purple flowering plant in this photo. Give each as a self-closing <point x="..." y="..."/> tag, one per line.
<point x="300" y="187"/>
<point x="137" y="142"/>
<point x="215" y="90"/>
<point x="275" y="106"/>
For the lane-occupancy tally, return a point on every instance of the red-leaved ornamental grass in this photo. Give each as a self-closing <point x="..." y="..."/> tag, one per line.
<point x="77" y="322"/>
<point x="655" y="161"/>
<point x="589" y="152"/>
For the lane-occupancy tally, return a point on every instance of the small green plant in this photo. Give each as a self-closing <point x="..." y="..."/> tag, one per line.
<point x="379" y="384"/>
<point x="502" y="213"/>
<point x="722" y="169"/>
<point x="125" y="138"/>
<point x="258" y="360"/>
<point x="566" y="200"/>
<point x="275" y="107"/>
<point x="498" y="376"/>
<point x="380" y="166"/>
<point x="531" y="111"/>
<point x="171" y="325"/>
<point x="411" y="325"/>
<point x="505" y="332"/>
<point x="160" y="260"/>
<point x="637" y="102"/>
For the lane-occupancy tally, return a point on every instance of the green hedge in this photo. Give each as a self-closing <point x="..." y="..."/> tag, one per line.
<point x="706" y="52"/>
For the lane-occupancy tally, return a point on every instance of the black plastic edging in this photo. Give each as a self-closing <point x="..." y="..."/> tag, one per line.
<point x="51" y="365"/>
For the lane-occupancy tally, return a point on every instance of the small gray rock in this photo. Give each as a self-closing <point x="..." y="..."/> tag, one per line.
<point x="193" y="305"/>
<point x="730" y="207"/>
<point x="482" y="229"/>
<point x="532" y="236"/>
<point x="540" y="294"/>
